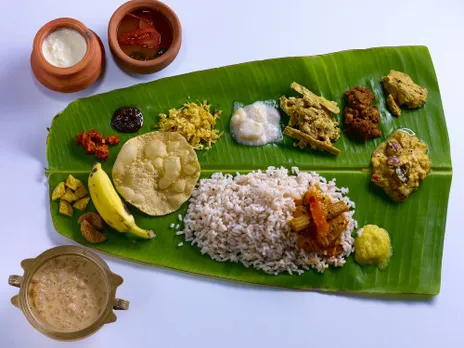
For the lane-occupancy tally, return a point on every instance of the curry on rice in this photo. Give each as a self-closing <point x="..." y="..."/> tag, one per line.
<point x="319" y="223"/>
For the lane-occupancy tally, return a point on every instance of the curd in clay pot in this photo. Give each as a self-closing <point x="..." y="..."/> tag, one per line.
<point x="67" y="56"/>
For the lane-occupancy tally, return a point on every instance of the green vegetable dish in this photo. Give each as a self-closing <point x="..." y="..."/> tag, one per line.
<point x="285" y="213"/>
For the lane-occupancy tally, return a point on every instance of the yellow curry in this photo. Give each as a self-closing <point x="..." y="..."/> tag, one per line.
<point x="400" y="164"/>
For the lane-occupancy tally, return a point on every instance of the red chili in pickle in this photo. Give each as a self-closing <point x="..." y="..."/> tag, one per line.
<point x="145" y="37"/>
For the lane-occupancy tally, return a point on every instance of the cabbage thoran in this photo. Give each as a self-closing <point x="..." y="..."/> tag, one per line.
<point x="194" y="122"/>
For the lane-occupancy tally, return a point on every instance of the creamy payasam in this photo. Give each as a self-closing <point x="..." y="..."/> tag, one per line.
<point x="68" y="293"/>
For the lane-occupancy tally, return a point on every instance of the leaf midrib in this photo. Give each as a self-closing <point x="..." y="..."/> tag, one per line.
<point x="364" y="170"/>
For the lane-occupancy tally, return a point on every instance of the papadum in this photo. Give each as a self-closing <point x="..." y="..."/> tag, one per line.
<point x="156" y="172"/>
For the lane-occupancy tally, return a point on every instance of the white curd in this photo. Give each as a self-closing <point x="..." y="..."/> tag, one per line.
<point x="256" y="124"/>
<point x="64" y="48"/>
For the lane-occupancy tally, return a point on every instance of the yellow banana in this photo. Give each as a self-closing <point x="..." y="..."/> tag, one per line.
<point x="110" y="206"/>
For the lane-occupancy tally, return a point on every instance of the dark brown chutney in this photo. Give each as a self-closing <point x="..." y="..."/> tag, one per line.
<point x="127" y="119"/>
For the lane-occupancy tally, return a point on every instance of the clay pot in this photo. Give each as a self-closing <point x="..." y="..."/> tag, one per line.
<point x="149" y="66"/>
<point x="76" y="77"/>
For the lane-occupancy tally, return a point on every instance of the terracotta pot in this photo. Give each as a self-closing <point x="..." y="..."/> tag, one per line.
<point x="149" y="66"/>
<point x="76" y="77"/>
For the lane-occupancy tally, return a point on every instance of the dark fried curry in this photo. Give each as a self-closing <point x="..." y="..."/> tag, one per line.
<point x="361" y="117"/>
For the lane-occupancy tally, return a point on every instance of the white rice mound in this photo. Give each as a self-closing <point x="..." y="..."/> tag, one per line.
<point x="245" y="219"/>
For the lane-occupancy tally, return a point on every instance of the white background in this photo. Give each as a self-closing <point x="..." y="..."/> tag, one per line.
<point x="170" y="309"/>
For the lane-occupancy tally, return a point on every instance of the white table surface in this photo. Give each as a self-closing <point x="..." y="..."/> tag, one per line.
<point x="170" y="309"/>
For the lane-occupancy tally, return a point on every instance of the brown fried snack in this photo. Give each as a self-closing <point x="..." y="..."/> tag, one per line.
<point x="91" y="223"/>
<point x="361" y="117"/>
<point x="93" y="218"/>
<point x="91" y="234"/>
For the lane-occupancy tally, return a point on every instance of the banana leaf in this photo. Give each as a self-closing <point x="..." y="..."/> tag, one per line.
<point x="417" y="226"/>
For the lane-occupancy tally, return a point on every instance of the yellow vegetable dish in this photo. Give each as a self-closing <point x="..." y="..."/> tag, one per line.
<point x="402" y="91"/>
<point x="311" y="121"/>
<point x="400" y="164"/>
<point x="372" y="246"/>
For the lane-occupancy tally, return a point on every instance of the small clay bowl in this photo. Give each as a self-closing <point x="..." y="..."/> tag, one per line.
<point x="148" y="66"/>
<point x="77" y="77"/>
